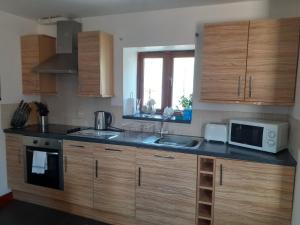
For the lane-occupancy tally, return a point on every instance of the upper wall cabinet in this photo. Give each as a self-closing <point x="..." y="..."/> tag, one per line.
<point x="35" y="49"/>
<point x="252" y="63"/>
<point x="95" y="64"/>
<point x="272" y="61"/>
<point x="224" y="61"/>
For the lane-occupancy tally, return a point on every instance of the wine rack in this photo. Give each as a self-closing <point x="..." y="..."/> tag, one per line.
<point x="205" y="191"/>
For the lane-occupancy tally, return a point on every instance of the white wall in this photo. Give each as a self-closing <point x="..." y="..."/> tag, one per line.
<point x="178" y="27"/>
<point x="12" y="27"/>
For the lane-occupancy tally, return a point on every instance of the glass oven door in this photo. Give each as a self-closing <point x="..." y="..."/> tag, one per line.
<point x="52" y="176"/>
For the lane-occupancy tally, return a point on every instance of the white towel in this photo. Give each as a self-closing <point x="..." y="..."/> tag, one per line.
<point x="39" y="162"/>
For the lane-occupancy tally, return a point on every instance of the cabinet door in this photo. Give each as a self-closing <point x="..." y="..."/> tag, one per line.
<point x="36" y="49"/>
<point x="166" y="188"/>
<point x="224" y="61"/>
<point x="95" y="64"/>
<point x="78" y="173"/>
<point x="272" y="61"/>
<point x="249" y="193"/>
<point x="114" y="184"/>
<point x="30" y="59"/>
<point x="15" y="161"/>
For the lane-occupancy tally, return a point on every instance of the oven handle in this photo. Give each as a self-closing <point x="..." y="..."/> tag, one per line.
<point x="49" y="153"/>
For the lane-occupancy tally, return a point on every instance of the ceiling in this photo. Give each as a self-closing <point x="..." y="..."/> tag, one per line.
<point x="35" y="9"/>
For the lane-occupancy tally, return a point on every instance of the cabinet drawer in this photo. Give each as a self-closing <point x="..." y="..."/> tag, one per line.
<point x="166" y="159"/>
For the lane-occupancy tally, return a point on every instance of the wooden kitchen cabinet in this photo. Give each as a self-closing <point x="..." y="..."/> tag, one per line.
<point x="165" y="188"/>
<point x="78" y="173"/>
<point x="272" y="61"/>
<point x="251" y="62"/>
<point x="248" y="193"/>
<point x="36" y="49"/>
<point x="114" y="183"/>
<point x="15" y="161"/>
<point x="224" y="61"/>
<point x="95" y="64"/>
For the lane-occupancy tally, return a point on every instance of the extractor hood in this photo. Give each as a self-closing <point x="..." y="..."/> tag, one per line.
<point x="65" y="61"/>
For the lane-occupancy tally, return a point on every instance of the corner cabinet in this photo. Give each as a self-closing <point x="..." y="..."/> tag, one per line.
<point x="250" y="62"/>
<point x="95" y="64"/>
<point x="165" y="188"/>
<point x="249" y="193"/>
<point x="36" y="49"/>
<point x="15" y="161"/>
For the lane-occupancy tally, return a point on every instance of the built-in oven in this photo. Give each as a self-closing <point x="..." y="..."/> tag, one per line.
<point x="43" y="162"/>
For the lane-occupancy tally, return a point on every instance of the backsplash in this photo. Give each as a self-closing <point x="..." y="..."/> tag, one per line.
<point x="68" y="108"/>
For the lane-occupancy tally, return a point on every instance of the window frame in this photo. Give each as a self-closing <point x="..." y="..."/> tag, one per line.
<point x="167" y="76"/>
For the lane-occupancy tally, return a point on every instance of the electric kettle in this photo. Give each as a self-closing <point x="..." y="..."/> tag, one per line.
<point x="103" y="120"/>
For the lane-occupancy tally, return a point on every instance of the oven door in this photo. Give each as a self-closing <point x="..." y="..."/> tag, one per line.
<point x="52" y="177"/>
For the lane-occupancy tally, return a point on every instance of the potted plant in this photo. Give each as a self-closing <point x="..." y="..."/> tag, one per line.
<point x="186" y="104"/>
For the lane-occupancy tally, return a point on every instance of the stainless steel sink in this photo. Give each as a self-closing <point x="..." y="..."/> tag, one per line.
<point x="179" y="141"/>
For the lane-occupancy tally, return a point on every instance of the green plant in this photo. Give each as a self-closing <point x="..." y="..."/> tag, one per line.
<point x="186" y="102"/>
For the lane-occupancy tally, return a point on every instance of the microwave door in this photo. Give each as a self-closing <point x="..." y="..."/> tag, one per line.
<point x="247" y="134"/>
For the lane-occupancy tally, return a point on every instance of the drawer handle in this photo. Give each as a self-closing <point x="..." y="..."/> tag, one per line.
<point x="77" y="146"/>
<point x="113" y="150"/>
<point x="164" y="157"/>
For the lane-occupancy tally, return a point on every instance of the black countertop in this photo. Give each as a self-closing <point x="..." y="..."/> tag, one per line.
<point x="145" y="140"/>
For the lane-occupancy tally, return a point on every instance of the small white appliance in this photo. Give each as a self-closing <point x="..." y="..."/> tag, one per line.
<point x="216" y="132"/>
<point x="263" y="135"/>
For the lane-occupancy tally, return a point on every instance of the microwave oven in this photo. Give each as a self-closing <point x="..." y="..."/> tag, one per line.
<point x="263" y="135"/>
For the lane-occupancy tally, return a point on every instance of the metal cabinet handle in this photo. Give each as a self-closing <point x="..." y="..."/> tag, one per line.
<point x="66" y="163"/>
<point x="239" y="87"/>
<point x="77" y="146"/>
<point x="250" y="86"/>
<point x="164" y="157"/>
<point x="221" y="175"/>
<point x="96" y="168"/>
<point x="113" y="150"/>
<point x="140" y="177"/>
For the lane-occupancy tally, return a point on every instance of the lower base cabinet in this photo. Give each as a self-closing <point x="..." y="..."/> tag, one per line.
<point x="114" y="183"/>
<point x="166" y="188"/>
<point x="249" y="193"/>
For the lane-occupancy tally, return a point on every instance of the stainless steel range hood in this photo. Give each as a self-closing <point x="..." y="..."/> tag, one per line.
<point x="65" y="61"/>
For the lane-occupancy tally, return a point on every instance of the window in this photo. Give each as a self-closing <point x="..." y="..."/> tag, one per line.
<point x="165" y="77"/>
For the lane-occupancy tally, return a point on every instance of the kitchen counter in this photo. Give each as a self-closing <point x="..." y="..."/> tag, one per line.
<point x="145" y="140"/>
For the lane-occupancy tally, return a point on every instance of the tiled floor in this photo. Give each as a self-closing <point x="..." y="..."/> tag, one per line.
<point x="21" y="213"/>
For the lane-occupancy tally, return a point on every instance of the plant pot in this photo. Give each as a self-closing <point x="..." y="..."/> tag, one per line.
<point x="187" y="114"/>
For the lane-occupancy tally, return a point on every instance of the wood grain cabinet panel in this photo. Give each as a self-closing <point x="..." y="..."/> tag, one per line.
<point x="78" y="173"/>
<point x="166" y="188"/>
<point x="15" y="161"/>
<point x="114" y="183"/>
<point x="95" y="64"/>
<point x="272" y="61"/>
<point x="249" y="193"/>
<point x="224" y="61"/>
<point x="35" y="49"/>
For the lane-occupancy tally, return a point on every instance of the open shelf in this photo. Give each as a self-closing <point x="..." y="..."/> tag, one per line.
<point x="204" y="211"/>
<point x="205" y="191"/>
<point x="205" y="196"/>
<point x="206" y="165"/>
<point x="206" y="180"/>
<point x="204" y="222"/>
